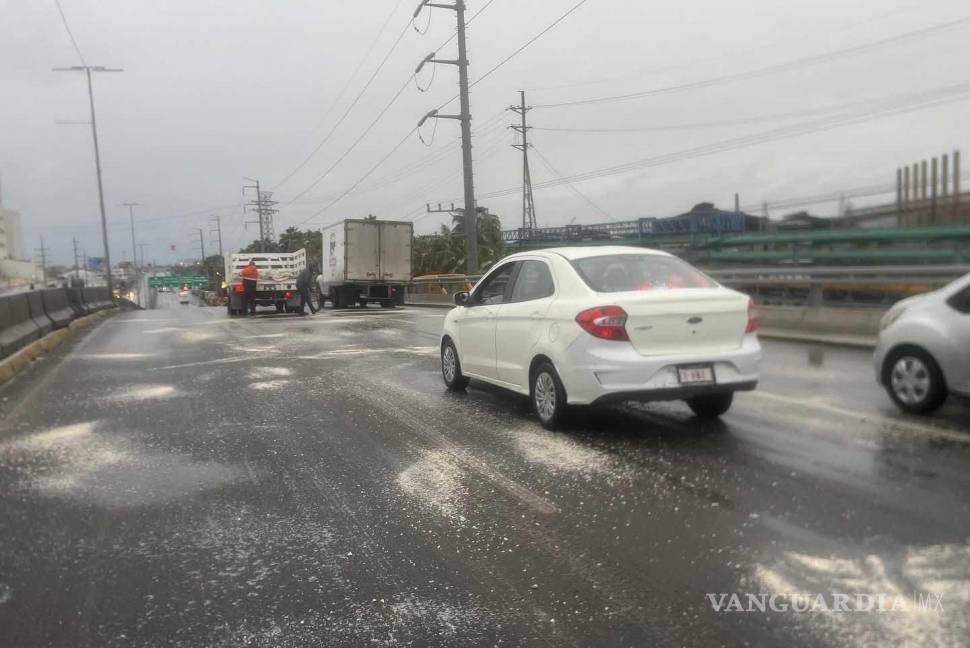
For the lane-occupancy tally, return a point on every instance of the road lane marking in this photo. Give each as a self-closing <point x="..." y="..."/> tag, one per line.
<point x="898" y="425"/>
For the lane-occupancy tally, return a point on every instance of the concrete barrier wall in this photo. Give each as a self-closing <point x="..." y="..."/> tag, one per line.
<point x="35" y="303"/>
<point x="76" y="301"/>
<point x="30" y="316"/>
<point x="823" y="321"/>
<point x="17" y="328"/>
<point x="57" y="307"/>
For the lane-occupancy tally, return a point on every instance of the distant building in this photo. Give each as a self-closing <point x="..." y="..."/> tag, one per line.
<point x="11" y="235"/>
<point x="15" y="269"/>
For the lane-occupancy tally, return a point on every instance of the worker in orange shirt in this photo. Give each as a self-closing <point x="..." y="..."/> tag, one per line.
<point x="249" y="275"/>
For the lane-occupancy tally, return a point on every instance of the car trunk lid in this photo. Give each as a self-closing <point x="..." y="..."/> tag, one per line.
<point x="682" y="321"/>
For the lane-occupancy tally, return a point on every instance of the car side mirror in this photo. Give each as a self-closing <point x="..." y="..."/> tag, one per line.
<point x="461" y="298"/>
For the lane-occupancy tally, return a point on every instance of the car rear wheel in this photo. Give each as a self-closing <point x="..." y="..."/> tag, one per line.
<point x="451" y="367"/>
<point x="914" y="381"/>
<point x="710" y="406"/>
<point x="548" y="396"/>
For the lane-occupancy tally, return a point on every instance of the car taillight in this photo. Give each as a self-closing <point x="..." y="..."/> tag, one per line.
<point x="288" y="294"/>
<point x="605" y="322"/>
<point x="754" y="318"/>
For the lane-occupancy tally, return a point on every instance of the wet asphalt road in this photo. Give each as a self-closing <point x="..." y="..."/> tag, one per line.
<point x="175" y="478"/>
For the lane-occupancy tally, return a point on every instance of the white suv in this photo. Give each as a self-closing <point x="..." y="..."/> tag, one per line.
<point x="585" y="325"/>
<point x="924" y="348"/>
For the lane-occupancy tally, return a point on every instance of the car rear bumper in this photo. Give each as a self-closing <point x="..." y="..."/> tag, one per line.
<point x="597" y="371"/>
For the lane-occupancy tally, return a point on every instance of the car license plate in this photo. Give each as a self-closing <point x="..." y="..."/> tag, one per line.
<point x="695" y="374"/>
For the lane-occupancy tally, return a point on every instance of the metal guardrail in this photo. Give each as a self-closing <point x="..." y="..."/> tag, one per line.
<point x="813" y="286"/>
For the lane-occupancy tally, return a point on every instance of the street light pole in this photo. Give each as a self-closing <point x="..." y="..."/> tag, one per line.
<point x="87" y="69"/>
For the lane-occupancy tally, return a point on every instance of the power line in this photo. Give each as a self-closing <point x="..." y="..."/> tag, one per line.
<point x="70" y="34"/>
<point x="569" y="184"/>
<point x="944" y="95"/>
<point x="771" y="69"/>
<point x="361" y="179"/>
<point x="348" y="110"/>
<point x="519" y="50"/>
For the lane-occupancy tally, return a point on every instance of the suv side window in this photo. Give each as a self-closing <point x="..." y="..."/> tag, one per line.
<point x="961" y="301"/>
<point x="534" y="281"/>
<point x="493" y="291"/>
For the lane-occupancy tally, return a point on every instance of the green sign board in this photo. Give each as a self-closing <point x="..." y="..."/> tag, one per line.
<point x="178" y="282"/>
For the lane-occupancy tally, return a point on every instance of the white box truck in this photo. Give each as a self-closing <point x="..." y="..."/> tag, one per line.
<point x="365" y="261"/>
<point x="276" y="285"/>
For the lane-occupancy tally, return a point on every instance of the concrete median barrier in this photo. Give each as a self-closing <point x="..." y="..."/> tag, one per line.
<point x="57" y="306"/>
<point x="17" y="329"/>
<point x="35" y="305"/>
<point x="75" y="300"/>
<point x="96" y="299"/>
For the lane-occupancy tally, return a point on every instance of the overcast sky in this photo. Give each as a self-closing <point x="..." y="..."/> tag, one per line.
<point x="215" y="90"/>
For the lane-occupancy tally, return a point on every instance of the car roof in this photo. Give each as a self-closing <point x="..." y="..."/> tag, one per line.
<point x="585" y="251"/>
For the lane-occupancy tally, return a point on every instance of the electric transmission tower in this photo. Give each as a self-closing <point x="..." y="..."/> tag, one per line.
<point x="264" y="207"/>
<point x="465" y="117"/>
<point x="528" y="203"/>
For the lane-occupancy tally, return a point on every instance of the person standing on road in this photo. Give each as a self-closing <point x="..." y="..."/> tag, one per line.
<point x="303" y="282"/>
<point x="249" y="276"/>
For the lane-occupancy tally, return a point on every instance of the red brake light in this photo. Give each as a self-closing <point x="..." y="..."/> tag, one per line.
<point x="605" y="322"/>
<point x="754" y="318"/>
<point x="288" y="294"/>
<point x="239" y="289"/>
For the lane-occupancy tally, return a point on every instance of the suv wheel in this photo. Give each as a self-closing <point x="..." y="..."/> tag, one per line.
<point x="451" y="367"/>
<point x="914" y="381"/>
<point x="548" y="396"/>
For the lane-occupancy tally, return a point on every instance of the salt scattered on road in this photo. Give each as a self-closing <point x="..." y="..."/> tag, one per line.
<point x="269" y="385"/>
<point x="135" y="393"/>
<point x="910" y="582"/>
<point x="560" y="453"/>
<point x="435" y="481"/>
<point x="260" y="373"/>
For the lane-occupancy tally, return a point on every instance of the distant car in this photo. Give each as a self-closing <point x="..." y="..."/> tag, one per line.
<point x="592" y="325"/>
<point x="184" y="295"/>
<point x="923" y="354"/>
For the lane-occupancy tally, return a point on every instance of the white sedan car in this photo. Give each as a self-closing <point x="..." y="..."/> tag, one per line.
<point x="184" y="296"/>
<point x="923" y="352"/>
<point x="592" y="325"/>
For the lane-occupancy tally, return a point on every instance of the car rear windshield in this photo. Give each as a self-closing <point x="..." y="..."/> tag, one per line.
<point x="626" y="272"/>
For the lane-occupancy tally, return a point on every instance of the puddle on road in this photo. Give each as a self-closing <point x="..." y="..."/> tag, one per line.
<point x="80" y="462"/>
<point x="925" y="590"/>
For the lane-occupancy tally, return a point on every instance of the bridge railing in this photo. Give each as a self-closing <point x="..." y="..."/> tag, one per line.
<point x="877" y="286"/>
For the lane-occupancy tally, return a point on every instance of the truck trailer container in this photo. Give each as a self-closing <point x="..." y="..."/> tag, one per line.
<point x="365" y="260"/>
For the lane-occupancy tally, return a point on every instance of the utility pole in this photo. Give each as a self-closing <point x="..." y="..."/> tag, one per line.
<point x="528" y="202"/>
<point x="88" y="69"/>
<point x="42" y="253"/>
<point x="131" y="218"/>
<point x="465" y="117"/>
<point x="141" y="248"/>
<point x="217" y="231"/>
<point x="77" y="273"/>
